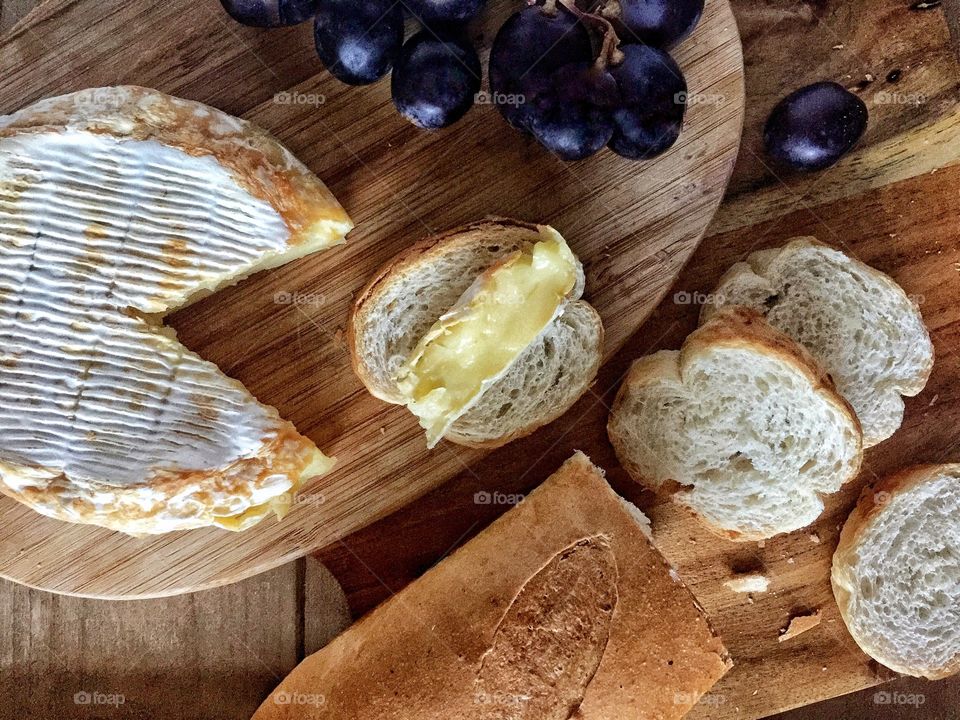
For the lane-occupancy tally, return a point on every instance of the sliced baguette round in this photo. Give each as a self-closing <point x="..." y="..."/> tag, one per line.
<point x="410" y="293"/>
<point x="896" y="571"/>
<point x="741" y="426"/>
<point x="855" y="320"/>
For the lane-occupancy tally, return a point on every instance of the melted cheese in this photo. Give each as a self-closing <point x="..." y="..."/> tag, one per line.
<point x="104" y="417"/>
<point x="473" y="344"/>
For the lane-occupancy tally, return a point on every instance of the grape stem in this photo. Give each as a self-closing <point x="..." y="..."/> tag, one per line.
<point x="610" y="53"/>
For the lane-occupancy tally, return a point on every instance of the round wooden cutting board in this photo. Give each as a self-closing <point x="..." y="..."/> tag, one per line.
<point x="634" y="225"/>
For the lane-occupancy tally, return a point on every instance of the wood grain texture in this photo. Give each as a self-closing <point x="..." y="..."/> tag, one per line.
<point x="784" y="43"/>
<point x="208" y="655"/>
<point x="633" y="225"/>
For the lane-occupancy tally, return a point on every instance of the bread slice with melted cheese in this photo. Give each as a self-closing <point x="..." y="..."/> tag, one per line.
<point x="480" y="332"/>
<point x="117" y="206"/>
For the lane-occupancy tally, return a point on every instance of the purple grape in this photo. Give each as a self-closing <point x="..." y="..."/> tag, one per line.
<point x="436" y="79"/>
<point x="662" y="23"/>
<point x="530" y="46"/>
<point x="653" y="92"/>
<point x="358" y="40"/>
<point x="270" y="13"/>
<point x="813" y="127"/>
<point x="570" y="112"/>
<point x="444" y="11"/>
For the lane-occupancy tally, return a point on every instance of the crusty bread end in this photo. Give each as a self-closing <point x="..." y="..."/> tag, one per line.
<point x="581" y="617"/>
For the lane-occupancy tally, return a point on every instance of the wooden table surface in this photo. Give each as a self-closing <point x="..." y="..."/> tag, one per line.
<point x="216" y="654"/>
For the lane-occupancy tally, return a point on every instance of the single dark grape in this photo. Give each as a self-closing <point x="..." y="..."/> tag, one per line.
<point x="530" y="46"/>
<point x="445" y="11"/>
<point x="270" y="13"/>
<point x="662" y="23"/>
<point x="358" y="40"/>
<point x="570" y="113"/>
<point x="653" y="92"/>
<point x="811" y="128"/>
<point x="436" y="79"/>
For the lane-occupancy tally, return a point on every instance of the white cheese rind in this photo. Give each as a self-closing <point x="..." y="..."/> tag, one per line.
<point x="104" y="416"/>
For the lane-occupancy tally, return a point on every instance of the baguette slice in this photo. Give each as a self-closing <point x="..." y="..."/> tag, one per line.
<point x="896" y="571"/>
<point x="740" y="425"/>
<point x="856" y="321"/>
<point x="581" y="617"/>
<point x="411" y="292"/>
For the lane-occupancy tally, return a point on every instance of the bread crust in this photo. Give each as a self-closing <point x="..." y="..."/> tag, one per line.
<point x="429" y="651"/>
<point x="410" y="261"/>
<point x="870" y="506"/>
<point x="735" y="327"/>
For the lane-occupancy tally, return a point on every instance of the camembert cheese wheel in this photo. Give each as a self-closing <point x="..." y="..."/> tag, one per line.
<point x="118" y="206"/>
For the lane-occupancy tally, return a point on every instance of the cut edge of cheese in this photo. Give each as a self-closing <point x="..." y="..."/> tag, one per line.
<point x="191" y="138"/>
<point x="474" y="344"/>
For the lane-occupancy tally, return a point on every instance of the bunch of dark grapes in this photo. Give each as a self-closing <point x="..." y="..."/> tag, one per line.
<point x="436" y="73"/>
<point x="579" y="80"/>
<point x="577" y="75"/>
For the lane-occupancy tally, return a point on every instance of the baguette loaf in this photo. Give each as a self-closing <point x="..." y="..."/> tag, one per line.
<point x="856" y="321"/>
<point x="741" y="426"/>
<point x="896" y="571"/>
<point x="562" y="608"/>
<point x="411" y="293"/>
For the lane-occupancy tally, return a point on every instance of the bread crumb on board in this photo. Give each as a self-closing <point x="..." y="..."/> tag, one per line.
<point x="799" y="624"/>
<point x="748" y="583"/>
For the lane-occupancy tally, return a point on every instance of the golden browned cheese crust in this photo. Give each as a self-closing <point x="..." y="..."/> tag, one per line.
<point x="162" y="266"/>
